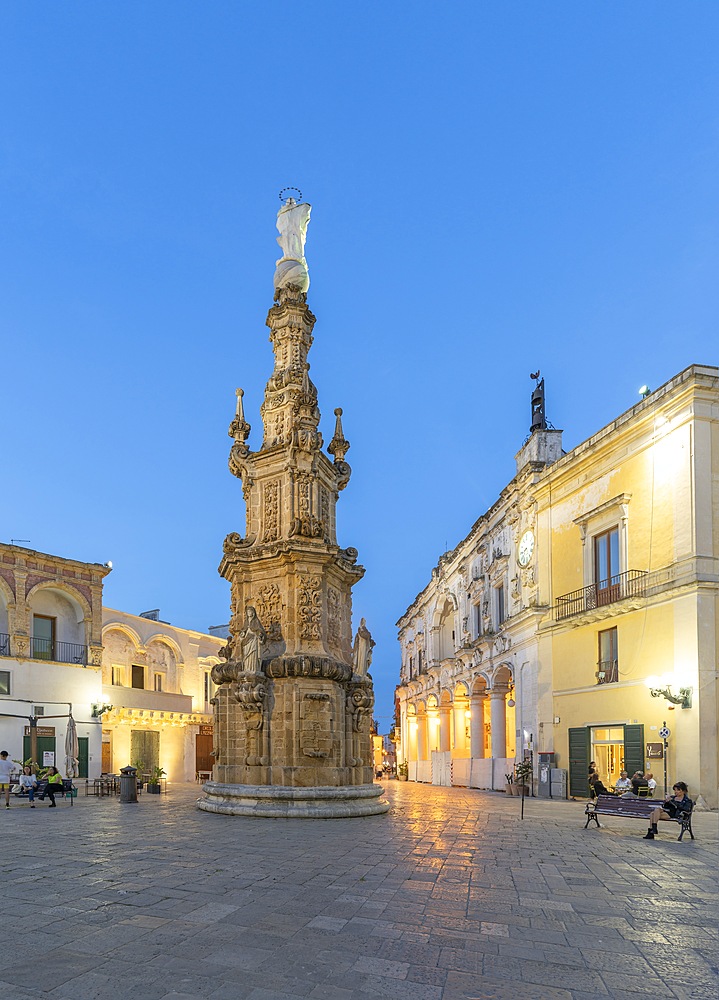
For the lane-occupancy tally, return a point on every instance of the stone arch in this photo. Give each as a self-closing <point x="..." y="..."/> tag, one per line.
<point x="130" y="632"/>
<point x="503" y="676"/>
<point x="480" y="684"/>
<point x="78" y="600"/>
<point x="461" y="690"/>
<point x="432" y="702"/>
<point x="122" y="651"/>
<point x="445" y="698"/>
<point x="6" y="591"/>
<point x="69" y="608"/>
<point x="171" y="644"/>
<point x="7" y="599"/>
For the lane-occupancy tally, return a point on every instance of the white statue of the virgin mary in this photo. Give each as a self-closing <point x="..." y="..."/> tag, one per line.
<point x="292" y="222"/>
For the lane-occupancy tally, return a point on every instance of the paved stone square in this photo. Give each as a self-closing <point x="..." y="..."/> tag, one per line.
<point x="447" y="897"/>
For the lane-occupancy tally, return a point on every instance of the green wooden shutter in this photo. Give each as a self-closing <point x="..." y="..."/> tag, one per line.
<point x="579" y="761"/>
<point x="633" y="749"/>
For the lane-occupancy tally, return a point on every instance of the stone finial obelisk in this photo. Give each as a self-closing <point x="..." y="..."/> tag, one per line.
<point x="294" y="701"/>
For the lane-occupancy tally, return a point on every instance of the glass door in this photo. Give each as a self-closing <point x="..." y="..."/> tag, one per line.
<point x="608" y="752"/>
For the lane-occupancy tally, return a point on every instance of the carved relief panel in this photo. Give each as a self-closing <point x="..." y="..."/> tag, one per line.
<point x="309" y="606"/>
<point x="334" y="621"/>
<point x="316" y="725"/>
<point x="269" y="610"/>
<point x="271" y="512"/>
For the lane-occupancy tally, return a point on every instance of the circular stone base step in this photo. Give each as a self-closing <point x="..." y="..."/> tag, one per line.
<point x="280" y="801"/>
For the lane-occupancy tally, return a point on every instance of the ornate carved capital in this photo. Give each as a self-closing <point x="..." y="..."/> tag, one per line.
<point x="308" y="666"/>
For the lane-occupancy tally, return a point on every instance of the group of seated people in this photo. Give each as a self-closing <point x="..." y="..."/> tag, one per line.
<point x="640" y="785"/>
<point x="643" y="785"/>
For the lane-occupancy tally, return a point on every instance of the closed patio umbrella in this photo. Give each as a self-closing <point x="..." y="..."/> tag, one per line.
<point x="72" y="749"/>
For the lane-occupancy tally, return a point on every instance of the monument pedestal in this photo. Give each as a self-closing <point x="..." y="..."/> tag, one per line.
<point x="281" y="802"/>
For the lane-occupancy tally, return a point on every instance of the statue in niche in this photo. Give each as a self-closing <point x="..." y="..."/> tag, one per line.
<point x="252" y="638"/>
<point x="362" y="650"/>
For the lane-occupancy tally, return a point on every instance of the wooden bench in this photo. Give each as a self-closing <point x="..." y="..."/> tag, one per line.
<point x="610" y="805"/>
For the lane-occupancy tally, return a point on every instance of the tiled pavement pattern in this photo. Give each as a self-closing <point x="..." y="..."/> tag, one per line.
<point x="450" y="896"/>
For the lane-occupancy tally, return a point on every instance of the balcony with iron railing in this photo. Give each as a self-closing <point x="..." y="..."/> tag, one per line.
<point x="4" y="644"/>
<point x="608" y="672"/>
<point x="631" y="584"/>
<point x="58" y="652"/>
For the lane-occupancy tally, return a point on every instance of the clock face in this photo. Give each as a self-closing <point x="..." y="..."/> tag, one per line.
<point x="526" y="548"/>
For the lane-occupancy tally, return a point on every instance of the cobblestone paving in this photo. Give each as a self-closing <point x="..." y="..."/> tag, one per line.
<point x="448" y="897"/>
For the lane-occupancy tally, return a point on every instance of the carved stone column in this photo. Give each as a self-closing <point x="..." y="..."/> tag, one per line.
<point x="498" y="716"/>
<point x="422" y="751"/>
<point x="476" y="725"/>
<point x="444" y="724"/>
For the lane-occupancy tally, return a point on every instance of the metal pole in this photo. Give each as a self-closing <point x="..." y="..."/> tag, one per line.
<point x="33" y="739"/>
<point x="666" y="748"/>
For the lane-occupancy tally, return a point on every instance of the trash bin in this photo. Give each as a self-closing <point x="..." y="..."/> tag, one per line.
<point x="128" y="784"/>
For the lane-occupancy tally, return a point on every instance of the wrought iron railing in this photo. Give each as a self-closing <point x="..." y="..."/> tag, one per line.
<point x="607" y="672"/>
<point x="60" y="652"/>
<point x="616" y="588"/>
<point x="4" y="644"/>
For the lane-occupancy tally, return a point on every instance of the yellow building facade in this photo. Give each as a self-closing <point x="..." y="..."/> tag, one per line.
<point x="631" y="523"/>
<point x="580" y="615"/>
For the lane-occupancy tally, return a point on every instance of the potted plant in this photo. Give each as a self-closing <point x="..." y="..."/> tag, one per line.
<point x="510" y="784"/>
<point x="523" y="775"/>
<point x="403" y="770"/>
<point x="153" y="782"/>
<point x="139" y="766"/>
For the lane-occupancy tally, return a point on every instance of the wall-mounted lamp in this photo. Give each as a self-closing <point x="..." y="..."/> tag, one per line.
<point x="684" y="698"/>
<point x="511" y="702"/>
<point x="98" y="710"/>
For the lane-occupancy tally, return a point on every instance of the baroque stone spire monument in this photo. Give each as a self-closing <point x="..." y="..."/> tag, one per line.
<point x="293" y="709"/>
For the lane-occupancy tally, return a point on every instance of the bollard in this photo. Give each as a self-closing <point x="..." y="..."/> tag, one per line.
<point x="128" y="784"/>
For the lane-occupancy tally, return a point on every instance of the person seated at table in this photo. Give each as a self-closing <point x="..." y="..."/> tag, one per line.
<point x="652" y="784"/>
<point x="28" y="781"/>
<point x="673" y="808"/>
<point x="623" y="784"/>
<point x="53" y="787"/>
<point x="597" y="787"/>
<point x="639" y="786"/>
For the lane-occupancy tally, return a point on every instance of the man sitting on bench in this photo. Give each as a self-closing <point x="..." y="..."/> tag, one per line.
<point x="672" y="809"/>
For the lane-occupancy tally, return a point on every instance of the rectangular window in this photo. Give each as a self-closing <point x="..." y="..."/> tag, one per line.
<point x="478" y="620"/>
<point x="43" y="637"/>
<point x="117" y="676"/>
<point x="411" y="667"/>
<point x="208" y="687"/>
<point x="4" y="682"/>
<point x="158" y="682"/>
<point x="500" y="604"/>
<point x="138" y="676"/>
<point x="608" y="661"/>
<point x="419" y="661"/>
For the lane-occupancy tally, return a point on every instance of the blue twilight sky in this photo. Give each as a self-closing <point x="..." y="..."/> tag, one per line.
<point x="496" y="187"/>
